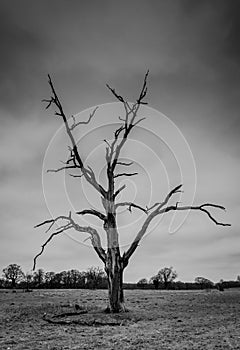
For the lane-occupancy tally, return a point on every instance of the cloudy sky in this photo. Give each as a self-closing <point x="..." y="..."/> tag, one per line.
<point x="192" y="51"/>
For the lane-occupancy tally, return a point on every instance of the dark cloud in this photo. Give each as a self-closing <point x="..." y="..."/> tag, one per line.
<point x="20" y="62"/>
<point x="86" y="44"/>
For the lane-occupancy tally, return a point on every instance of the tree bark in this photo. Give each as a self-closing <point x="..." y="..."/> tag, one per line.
<point x="114" y="269"/>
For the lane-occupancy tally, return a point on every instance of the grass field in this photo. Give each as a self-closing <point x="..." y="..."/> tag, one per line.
<point x="161" y="320"/>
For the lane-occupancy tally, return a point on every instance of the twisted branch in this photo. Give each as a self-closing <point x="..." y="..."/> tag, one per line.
<point x="199" y="207"/>
<point x="128" y="122"/>
<point x="94" y="236"/>
<point x="161" y="208"/>
<point x="74" y="125"/>
<point x="89" y="176"/>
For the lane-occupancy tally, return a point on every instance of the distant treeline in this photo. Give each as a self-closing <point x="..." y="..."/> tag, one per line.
<point x="14" y="277"/>
<point x="185" y="285"/>
<point x="95" y="278"/>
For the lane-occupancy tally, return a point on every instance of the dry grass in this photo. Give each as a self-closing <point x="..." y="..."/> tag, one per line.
<point x="157" y="320"/>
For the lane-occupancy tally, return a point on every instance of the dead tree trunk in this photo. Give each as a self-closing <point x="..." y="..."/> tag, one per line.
<point x="113" y="263"/>
<point x="114" y="270"/>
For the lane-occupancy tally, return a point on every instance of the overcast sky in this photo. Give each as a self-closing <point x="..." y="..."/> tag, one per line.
<point x="192" y="51"/>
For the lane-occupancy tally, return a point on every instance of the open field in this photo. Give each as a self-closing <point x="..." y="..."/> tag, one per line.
<point x="156" y="320"/>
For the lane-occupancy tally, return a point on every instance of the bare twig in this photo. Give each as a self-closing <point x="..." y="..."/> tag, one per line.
<point x="46" y="242"/>
<point x="113" y="91"/>
<point x="131" y="205"/>
<point x="119" y="190"/>
<point x="44" y="223"/>
<point x="153" y="206"/>
<point x="74" y="125"/>
<point x="143" y="91"/>
<point x="75" y="176"/>
<point x="124" y="163"/>
<point x="62" y="168"/>
<point x="92" y="212"/>
<point x="170" y="194"/>
<point x="125" y="174"/>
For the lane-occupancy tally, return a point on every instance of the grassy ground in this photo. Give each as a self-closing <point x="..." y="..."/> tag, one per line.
<point x="158" y="320"/>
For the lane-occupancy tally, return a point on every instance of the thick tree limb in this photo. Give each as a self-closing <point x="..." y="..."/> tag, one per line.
<point x="94" y="236"/>
<point x="160" y="209"/>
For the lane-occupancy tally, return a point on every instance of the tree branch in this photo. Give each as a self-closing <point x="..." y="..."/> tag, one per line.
<point x="159" y="209"/>
<point x="75" y="176"/>
<point x="114" y="148"/>
<point x="113" y="91"/>
<point x="62" y="168"/>
<point x="92" y="212"/>
<point x="130" y="205"/>
<point x="124" y="163"/>
<point x="119" y="190"/>
<point x="124" y="174"/>
<point x="199" y="207"/>
<point x="170" y="194"/>
<point x="74" y="125"/>
<point x="143" y="92"/>
<point x="67" y="227"/>
<point x="94" y="236"/>
<point x="77" y="158"/>
<point x="128" y="121"/>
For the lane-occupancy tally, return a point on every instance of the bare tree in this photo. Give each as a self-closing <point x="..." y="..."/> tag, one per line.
<point x="114" y="261"/>
<point x="13" y="273"/>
